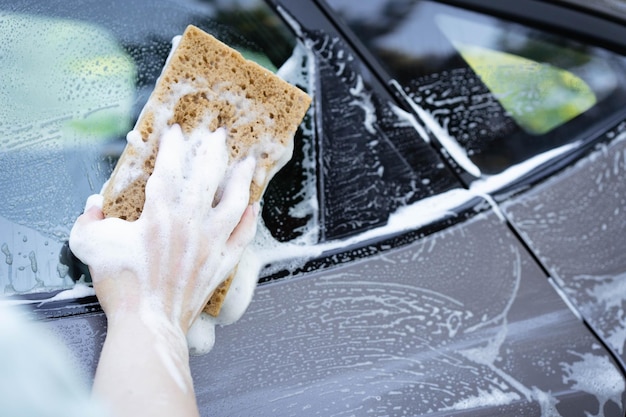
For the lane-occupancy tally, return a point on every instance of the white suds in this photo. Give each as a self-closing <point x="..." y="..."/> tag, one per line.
<point x="144" y="247"/>
<point x="201" y="335"/>
<point x="449" y="143"/>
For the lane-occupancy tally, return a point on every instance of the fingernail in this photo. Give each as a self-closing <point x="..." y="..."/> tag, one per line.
<point x="256" y="207"/>
<point x="94" y="200"/>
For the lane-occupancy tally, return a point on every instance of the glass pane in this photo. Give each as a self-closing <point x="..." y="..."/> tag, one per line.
<point x="517" y="69"/>
<point x="74" y="78"/>
<point x="503" y="91"/>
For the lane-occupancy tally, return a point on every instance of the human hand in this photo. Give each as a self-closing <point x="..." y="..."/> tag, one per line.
<point x="153" y="276"/>
<point x="194" y="227"/>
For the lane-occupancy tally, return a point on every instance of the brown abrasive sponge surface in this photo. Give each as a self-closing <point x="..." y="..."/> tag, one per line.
<point x="205" y="83"/>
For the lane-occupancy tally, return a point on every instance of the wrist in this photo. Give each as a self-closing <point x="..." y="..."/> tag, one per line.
<point x="124" y="300"/>
<point x="154" y="325"/>
<point x="152" y="358"/>
<point x="143" y="336"/>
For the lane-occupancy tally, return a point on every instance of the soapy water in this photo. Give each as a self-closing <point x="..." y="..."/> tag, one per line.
<point x="371" y="160"/>
<point x="585" y="258"/>
<point x="266" y="249"/>
<point x="24" y="269"/>
<point x="374" y="328"/>
<point x="593" y="373"/>
<point x="179" y="205"/>
<point x="601" y="300"/>
<point x="440" y="206"/>
<point x="299" y="70"/>
<point x="60" y="110"/>
<point x="457" y="152"/>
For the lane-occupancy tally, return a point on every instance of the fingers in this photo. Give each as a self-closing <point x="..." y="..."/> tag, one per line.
<point x="236" y="194"/>
<point x="92" y="214"/>
<point x="93" y="211"/>
<point x="210" y="161"/>
<point x="162" y="185"/>
<point x="94" y="201"/>
<point x="96" y="240"/>
<point x="168" y="160"/>
<point x="187" y="171"/>
<point x="79" y="235"/>
<point x="246" y="228"/>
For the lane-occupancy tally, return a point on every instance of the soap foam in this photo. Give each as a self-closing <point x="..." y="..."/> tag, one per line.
<point x="201" y="335"/>
<point x="111" y="246"/>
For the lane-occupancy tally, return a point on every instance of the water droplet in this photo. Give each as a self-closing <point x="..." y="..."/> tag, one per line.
<point x="7" y="253"/>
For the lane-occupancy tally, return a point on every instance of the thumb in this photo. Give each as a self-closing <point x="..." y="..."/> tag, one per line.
<point x="93" y="205"/>
<point x="93" y="210"/>
<point x="92" y="214"/>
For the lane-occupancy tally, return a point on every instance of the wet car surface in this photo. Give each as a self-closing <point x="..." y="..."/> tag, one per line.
<point x="583" y="253"/>
<point x="446" y="271"/>
<point x="375" y="338"/>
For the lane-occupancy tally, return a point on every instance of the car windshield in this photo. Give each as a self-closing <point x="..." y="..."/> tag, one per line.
<point x="503" y="91"/>
<point x="73" y="81"/>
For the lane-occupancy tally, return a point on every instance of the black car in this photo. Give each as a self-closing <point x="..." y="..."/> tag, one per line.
<point x="448" y="239"/>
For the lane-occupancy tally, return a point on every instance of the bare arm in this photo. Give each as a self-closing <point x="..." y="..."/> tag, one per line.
<point x="153" y="276"/>
<point x="145" y="370"/>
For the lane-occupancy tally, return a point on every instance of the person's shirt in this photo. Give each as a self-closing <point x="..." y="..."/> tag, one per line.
<point x="38" y="377"/>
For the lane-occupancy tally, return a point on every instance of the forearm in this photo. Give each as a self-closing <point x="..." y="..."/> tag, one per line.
<point x="154" y="275"/>
<point x="144" y="370"/>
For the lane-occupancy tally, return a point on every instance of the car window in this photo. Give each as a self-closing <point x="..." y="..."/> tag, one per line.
<point x="535" y="81"/>
<point x="505" y="92"/>
<point x="80" y="77"/>
<point x="73" y="80"/>
<point x="373" y="157"/>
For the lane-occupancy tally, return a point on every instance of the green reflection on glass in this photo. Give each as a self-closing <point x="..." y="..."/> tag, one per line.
<point x="540" y="97"/>
<point x="71" y="82"/>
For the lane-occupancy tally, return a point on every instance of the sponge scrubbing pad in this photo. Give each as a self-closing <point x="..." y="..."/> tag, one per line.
<point x="204" y="84"/>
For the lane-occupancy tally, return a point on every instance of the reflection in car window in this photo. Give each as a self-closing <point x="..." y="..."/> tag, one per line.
<point x="505" y="92"/>
<point x="73" y="82"/>
<point x="517" y="69"/>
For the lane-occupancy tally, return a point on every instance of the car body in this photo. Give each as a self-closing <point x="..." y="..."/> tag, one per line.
<point x="449" y="238"/>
